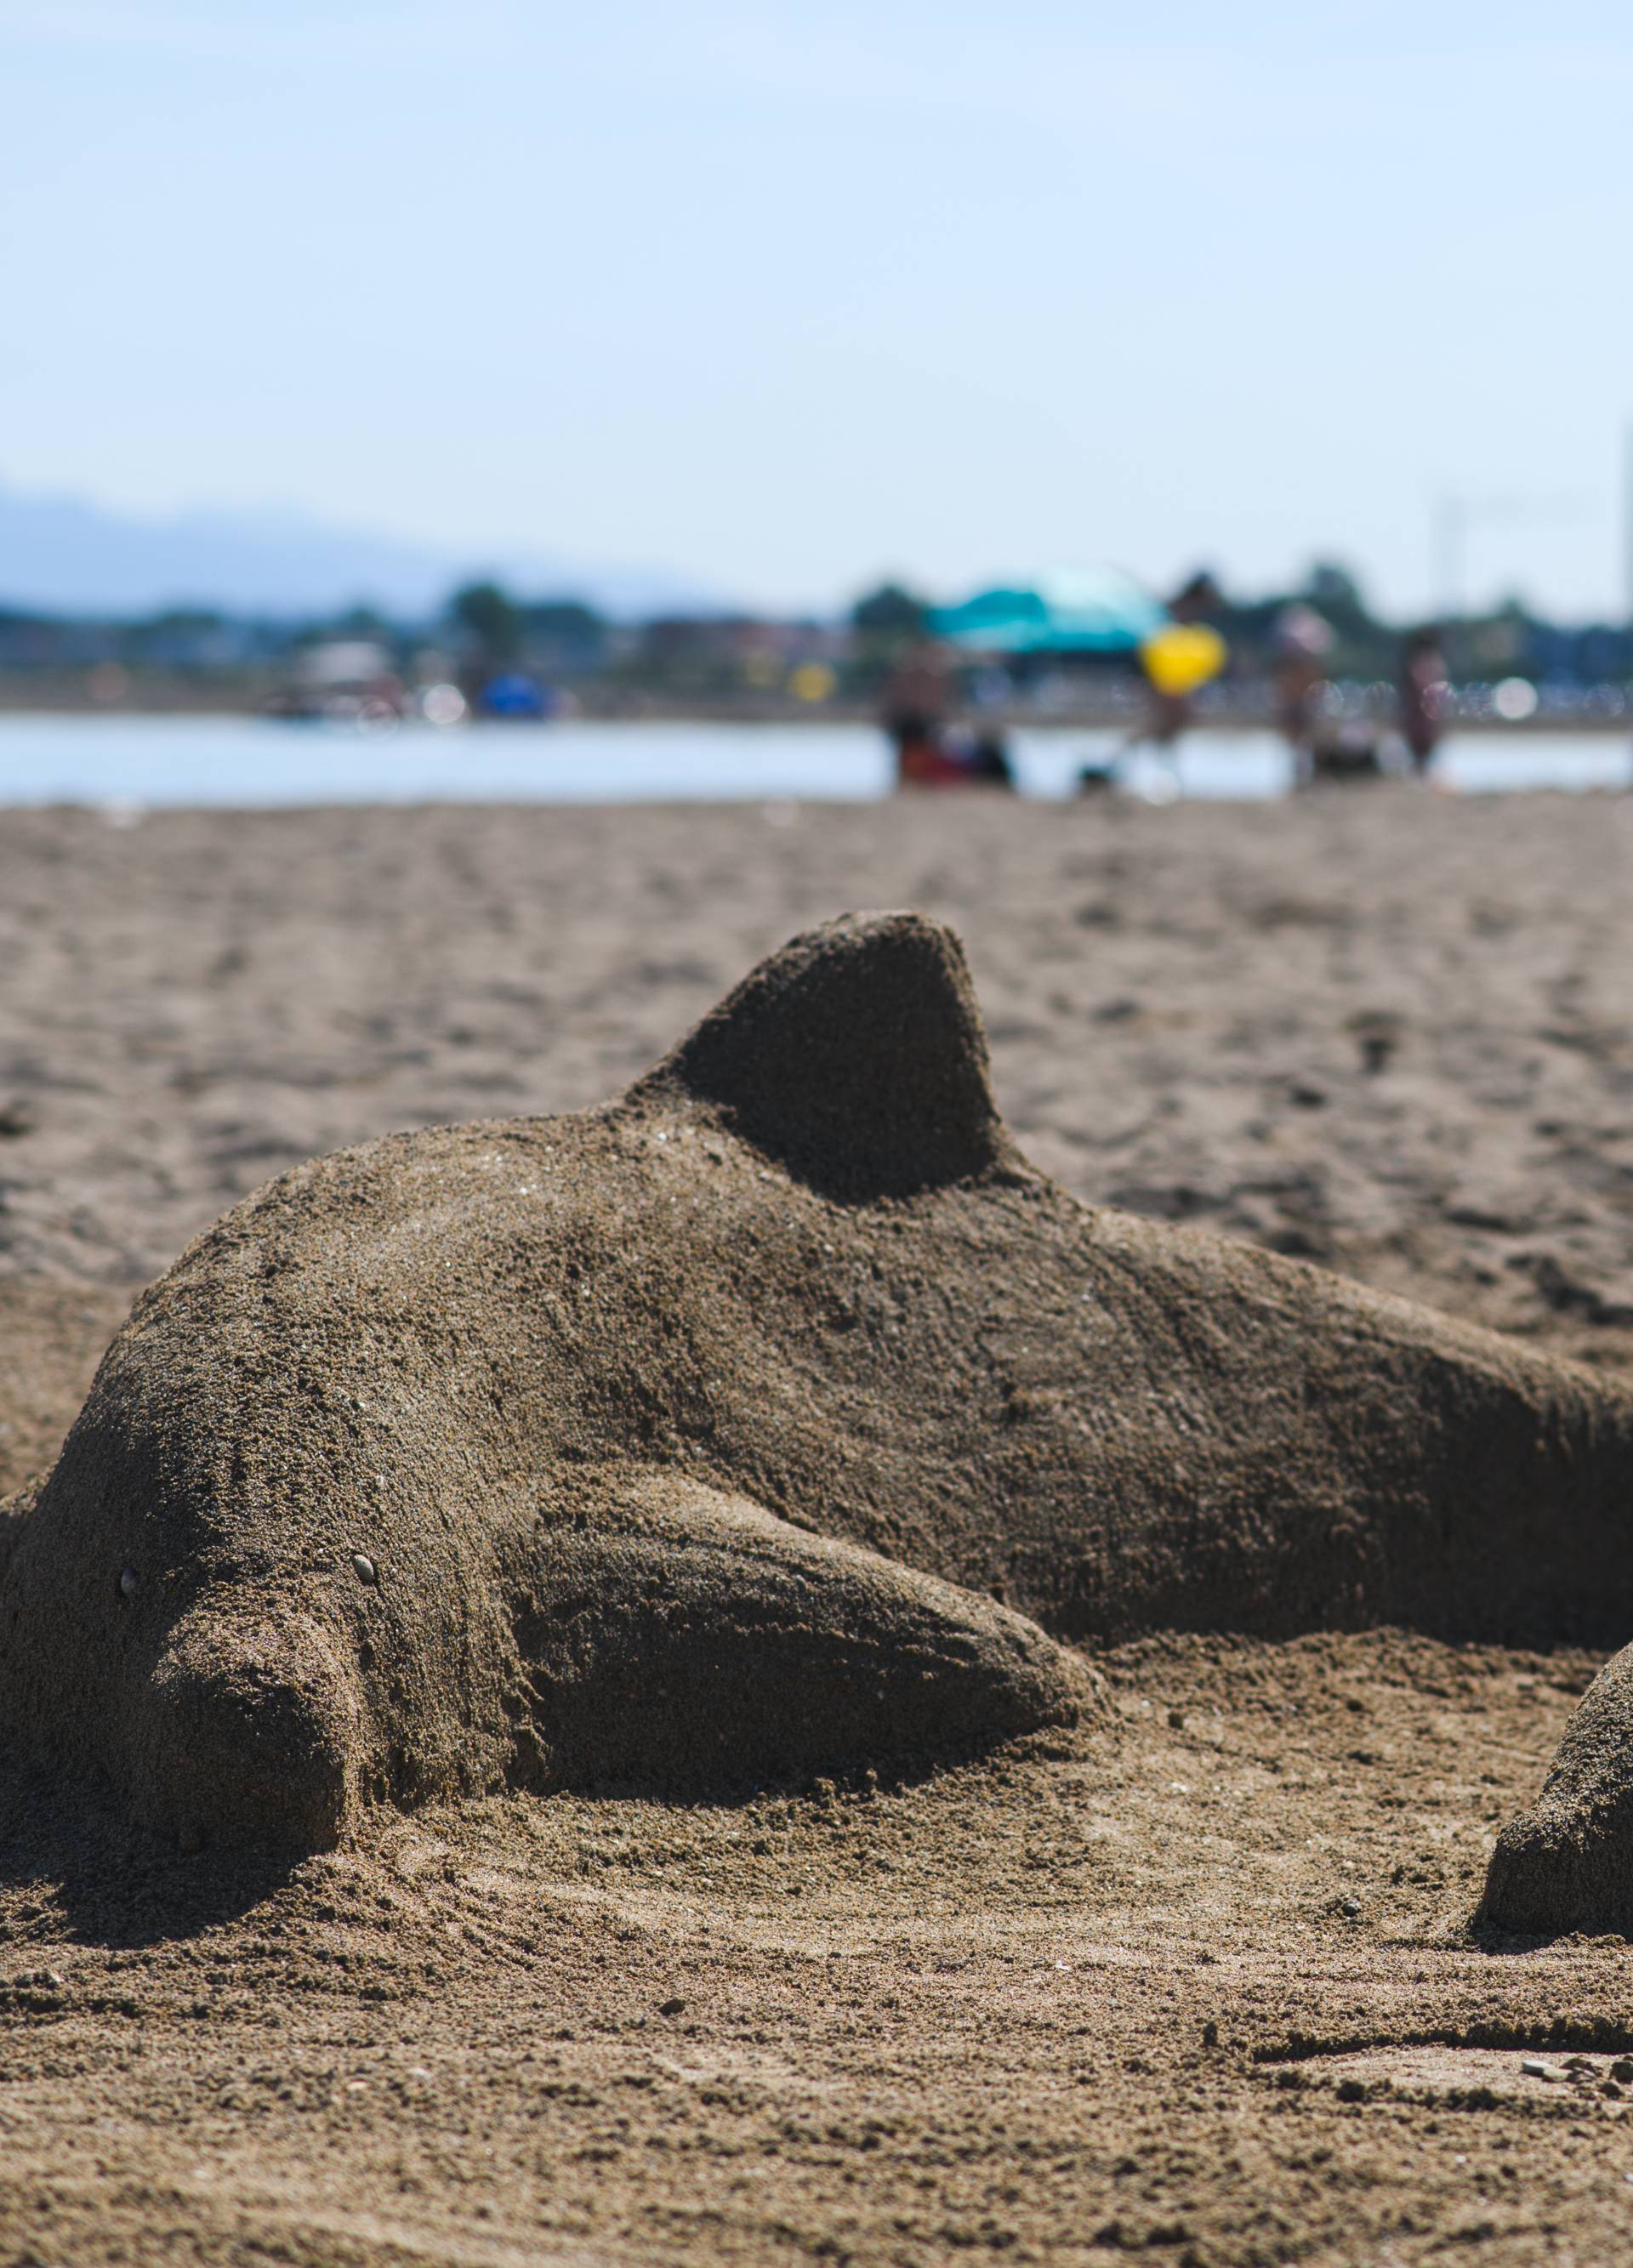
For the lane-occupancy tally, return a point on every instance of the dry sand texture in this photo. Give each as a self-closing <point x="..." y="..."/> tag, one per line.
<point x="1390" y="1033"/>
<point x="1194" y="1980"/>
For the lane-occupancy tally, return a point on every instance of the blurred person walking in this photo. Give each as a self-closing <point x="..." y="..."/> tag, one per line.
<point x="1174" y="672"/>
<point x="1421" y="702"/>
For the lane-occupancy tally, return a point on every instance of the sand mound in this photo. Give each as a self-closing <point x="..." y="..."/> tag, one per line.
<point x="1567" y="1862"/>
<point x="738" y="1428"/>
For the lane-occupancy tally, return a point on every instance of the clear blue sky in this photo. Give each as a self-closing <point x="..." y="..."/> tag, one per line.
<point x="789" y="297"/>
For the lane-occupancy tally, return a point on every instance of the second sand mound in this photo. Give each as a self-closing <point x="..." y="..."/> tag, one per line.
<point x="765" y="1420"/>
<point x="1566" y="1861"/>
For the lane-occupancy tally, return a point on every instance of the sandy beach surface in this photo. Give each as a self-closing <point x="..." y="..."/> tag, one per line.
<point x="1196" y="1981"/>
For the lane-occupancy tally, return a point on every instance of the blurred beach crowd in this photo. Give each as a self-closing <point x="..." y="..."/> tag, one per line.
<point x="1316" y="661"/>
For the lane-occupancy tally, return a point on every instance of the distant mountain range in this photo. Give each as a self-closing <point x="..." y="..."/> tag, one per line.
<point x="61" y="555"/>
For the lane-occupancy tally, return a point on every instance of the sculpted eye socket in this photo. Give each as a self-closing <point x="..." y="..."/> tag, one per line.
<point x="127" y="1582"/>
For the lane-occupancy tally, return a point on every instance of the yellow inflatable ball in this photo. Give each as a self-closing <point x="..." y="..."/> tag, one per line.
<point x="1183" y="656"/>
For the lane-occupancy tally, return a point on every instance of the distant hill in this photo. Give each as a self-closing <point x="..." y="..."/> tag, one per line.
<point x="62" y="554"/>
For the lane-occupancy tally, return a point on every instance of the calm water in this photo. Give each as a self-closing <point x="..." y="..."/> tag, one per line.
<point x="156" y="761"/>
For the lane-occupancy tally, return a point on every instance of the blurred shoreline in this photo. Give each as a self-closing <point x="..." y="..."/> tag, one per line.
<point x="178" y="696"/>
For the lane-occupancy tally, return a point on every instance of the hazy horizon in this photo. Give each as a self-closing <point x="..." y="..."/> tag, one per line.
<point x="780" y="305"/>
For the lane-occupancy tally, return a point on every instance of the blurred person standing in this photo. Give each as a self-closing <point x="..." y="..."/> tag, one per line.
<point x="1420" y="703"/>
<point x="1301" y="642"/>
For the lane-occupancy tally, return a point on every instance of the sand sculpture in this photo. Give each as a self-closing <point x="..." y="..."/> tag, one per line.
<point x="776" y="1416"/>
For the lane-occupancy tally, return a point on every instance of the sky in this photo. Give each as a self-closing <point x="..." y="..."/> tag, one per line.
<point x="788" y="299"/>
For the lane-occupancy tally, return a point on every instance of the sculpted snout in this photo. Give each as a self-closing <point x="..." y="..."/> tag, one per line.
<point x="248" y="1731"/>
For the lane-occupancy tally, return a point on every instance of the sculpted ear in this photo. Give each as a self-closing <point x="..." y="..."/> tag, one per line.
<point x="854" y="1056"/>
<point x="682" y="1636"/>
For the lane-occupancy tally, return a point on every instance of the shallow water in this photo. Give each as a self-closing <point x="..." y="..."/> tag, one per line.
<point x="251" y="761"/>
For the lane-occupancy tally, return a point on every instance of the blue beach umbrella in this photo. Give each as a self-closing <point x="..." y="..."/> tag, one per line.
<point x="1076" y="611"/>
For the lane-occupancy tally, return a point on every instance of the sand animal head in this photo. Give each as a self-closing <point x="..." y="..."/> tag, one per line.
<point x="774" y="1417"/>
<point x="176" y="1656"/>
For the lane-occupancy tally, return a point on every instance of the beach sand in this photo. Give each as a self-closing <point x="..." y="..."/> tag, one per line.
<point x="1196" y="1980"/>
